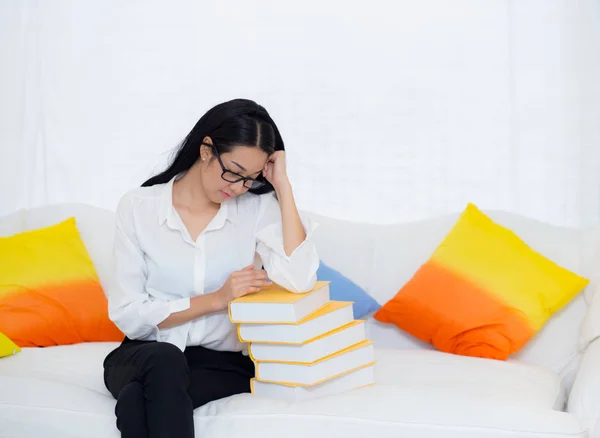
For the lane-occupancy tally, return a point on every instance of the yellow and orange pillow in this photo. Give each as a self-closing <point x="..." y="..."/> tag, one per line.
<point x="50" y="293"/>
<point x="7" y="347"/>
<point x="483" y="292"/>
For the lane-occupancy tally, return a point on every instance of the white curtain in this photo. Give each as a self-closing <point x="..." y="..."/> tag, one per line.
<point x="391" y="111"/>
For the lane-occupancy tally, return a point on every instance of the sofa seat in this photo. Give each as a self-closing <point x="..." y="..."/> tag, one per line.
<point x="58" y="392"/>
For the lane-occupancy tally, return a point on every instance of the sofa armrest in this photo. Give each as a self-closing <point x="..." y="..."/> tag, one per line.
<point x="584" y="399"/>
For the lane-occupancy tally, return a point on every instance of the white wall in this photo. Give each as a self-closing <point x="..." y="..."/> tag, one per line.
<point x="391" y="111"/>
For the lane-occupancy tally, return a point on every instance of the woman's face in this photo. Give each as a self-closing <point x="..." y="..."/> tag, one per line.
<point x="246" y="161"/>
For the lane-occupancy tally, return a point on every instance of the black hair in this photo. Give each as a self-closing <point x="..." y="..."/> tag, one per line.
<point x="238" y="122"/>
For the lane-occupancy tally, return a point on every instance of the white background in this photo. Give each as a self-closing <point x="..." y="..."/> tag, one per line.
<point x="391" y="110"/>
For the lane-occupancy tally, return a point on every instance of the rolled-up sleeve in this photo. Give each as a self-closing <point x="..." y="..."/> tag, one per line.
<point x="296" y="272"/>
<point x="130" y="307"/>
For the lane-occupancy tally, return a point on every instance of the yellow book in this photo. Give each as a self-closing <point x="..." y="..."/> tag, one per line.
<point x="274" y="304"/>
<point x="331" y="316"/>
<point x="312" y="350"/>
<point x="355" y="379"/>
<point x="303" y="374"/>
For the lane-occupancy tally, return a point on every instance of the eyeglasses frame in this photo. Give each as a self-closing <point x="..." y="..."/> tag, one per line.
<point x="225" y="170"/>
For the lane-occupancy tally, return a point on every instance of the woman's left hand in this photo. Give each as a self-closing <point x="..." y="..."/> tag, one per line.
<point x="275" y="171"/>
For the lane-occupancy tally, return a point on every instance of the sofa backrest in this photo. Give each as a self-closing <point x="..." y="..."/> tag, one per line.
<point x="380" y="258"/>
<point x="96" y="226"/>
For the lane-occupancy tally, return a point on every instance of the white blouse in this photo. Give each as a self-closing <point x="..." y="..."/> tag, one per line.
<point x="158" y="266"/>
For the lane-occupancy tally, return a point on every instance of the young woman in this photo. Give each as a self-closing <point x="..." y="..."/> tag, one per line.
<point x="189" y="241"/>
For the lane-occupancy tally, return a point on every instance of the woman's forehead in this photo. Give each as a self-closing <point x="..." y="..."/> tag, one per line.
<point x="249" y="159"/>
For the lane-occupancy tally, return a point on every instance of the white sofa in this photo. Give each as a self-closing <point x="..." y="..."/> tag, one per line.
<point x="550" y="389"/>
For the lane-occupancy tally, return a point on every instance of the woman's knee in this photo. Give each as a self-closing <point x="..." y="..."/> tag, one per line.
<point x="131" y="410"/>
<point x="130" y="397"/>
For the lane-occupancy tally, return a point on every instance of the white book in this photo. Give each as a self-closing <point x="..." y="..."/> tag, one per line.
<point x="329" y="317"/>
<point x="359" y="378"/>
<point x="319" y="371"/>
<point x="312" y="350"/>
<point x="274" y="304"/>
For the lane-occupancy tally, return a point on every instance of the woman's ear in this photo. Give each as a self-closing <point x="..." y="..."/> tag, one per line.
<point x="203" y="152"/>
<point x="206" y="149"/>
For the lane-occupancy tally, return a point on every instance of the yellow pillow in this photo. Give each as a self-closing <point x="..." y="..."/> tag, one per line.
<point x="484" y="292"/>
<point x="50" y="293"/>
<point x="7" y="347"/>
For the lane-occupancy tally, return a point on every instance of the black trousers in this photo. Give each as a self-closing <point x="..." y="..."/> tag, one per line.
<point x="157" y="386"/>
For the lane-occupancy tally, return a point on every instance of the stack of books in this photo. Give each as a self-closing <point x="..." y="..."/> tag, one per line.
<point x="303" y="345"/>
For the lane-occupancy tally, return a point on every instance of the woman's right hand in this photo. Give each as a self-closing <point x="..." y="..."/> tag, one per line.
<point x="240" y="283"/>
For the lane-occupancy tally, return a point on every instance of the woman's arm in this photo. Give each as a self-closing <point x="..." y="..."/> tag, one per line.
<point x="199" y="306"/>
<point x="130" y="307"/>
<point x="239" y="283"/>
<point x="283" y="238"/>
<point x="293" y="230"/>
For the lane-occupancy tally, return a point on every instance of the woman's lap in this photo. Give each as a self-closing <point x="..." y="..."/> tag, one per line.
<point x="209" y="374"/>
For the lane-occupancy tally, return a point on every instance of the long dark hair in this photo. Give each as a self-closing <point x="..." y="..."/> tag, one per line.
<point x="238" y="122"/>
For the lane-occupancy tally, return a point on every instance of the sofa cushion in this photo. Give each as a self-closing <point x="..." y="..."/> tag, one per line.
<point x="58" y="392"/>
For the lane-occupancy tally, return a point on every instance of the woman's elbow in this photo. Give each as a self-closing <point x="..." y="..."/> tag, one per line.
<point x="302" y="287"/>
<point x="128" y="325"/>
<point x="134" y="331"/>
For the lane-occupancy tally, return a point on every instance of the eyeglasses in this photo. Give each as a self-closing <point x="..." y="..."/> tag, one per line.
<point x="233" y="177"/>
